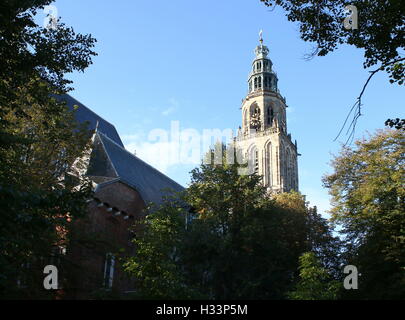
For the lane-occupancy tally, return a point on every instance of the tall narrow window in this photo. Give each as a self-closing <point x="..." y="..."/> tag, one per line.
<point x="108" y="270"/>
<point x="253" y="160"/>
<point x="269" y="165"/>
<point x="257" y="161"/>
<point x="255" y="83"/>
<point x="260" y="82"/>
<point x="269" y="116"/>
<point x="288" y="169"/>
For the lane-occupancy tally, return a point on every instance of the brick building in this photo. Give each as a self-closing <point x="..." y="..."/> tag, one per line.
<point x="123" y="186"/>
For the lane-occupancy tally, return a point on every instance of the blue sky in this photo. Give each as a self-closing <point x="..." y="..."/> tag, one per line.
<point x="186" y="61"/>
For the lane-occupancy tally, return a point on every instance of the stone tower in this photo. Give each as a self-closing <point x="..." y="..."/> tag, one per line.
<point x="263" y="137"/>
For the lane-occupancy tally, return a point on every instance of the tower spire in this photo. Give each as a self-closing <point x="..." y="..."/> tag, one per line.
<point x="262" y="78"/>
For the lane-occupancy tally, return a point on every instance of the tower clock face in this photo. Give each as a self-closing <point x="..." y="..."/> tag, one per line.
<point x="255" y="121"/>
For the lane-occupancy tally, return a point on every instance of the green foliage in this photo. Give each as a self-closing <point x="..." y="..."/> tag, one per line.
<point x="315" y="282"/>
<point x="39" y="140"/>
<point x="380" y="33"/>
<point x="233" y="242"/>
<point x="157" y="262"/>
<point x="380" y="29"/>
<point x="368" y="197"/>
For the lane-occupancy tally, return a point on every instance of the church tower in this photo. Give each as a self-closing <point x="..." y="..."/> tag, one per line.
<point x="263" y="137"/>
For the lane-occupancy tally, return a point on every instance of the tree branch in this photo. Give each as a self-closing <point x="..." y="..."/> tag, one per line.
<point x="357" y="105"/>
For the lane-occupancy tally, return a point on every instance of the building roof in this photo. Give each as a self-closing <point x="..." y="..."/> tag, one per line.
<point x="152" y="185"/>
<point x="84" y="114"/>
<point x="110" y="160"/>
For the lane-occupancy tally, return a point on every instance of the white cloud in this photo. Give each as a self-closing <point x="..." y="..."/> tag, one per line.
<point x="156" y="154"/>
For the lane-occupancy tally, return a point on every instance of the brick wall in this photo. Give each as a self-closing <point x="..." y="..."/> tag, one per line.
<point x="99" y="233"/>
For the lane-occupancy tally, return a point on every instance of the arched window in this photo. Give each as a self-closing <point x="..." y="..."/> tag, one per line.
<point x="255" y="117"/>
<point x="255" y="81"/>
<point x="274" y="83"/>
<point x="292" y="172"/>
<point x="270" y="115"/>
<point x="250" y="86"/>
<point x="257" y="161"/>
<point x="245" y="118"/>
<point x="268" y="165"/>
<point x="260" y="82"/>
<point x="283" y="165"/>
<point x="253" y="160"/>
<point x="288" y="163"/>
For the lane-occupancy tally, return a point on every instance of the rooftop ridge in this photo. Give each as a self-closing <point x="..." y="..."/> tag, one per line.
<point x="83" y="105"/>
<point x="139" y="159"/>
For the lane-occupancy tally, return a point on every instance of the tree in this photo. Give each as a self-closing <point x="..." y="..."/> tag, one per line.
<point x="39" y="141"/>
<point x="157" y="263"/>
<point x="254" y="243"/>
<point x="234" y="241"/>
<point x="315" y="283"/>
<point x="368" y="198"/>
<point x="380" y="33"/>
